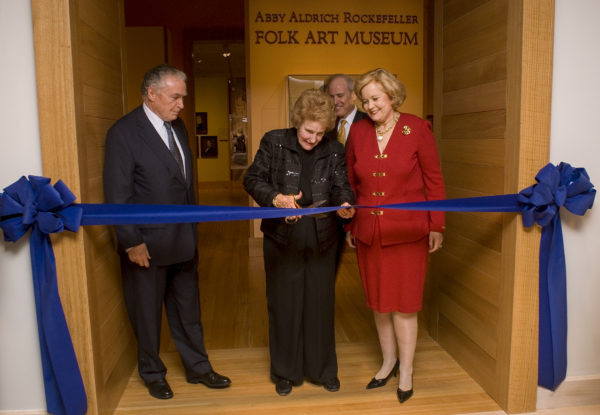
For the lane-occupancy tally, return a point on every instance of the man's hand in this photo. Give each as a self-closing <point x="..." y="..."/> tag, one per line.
<point x="139" y="255"/>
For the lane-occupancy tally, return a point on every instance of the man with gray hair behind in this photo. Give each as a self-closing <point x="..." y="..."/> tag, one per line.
<point x="341" y="88"/>
<point x="148" y="161"/>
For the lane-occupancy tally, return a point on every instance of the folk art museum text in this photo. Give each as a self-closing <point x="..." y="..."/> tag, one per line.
<point x="322" y="36"/>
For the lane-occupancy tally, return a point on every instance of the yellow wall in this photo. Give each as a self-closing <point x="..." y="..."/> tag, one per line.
<point x="145" y="50"/>
<point x="211" y="97"/>
<point x="270" y="62"/>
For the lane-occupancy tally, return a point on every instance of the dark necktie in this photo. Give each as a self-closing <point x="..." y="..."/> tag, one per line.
<point x="173" y="147"/>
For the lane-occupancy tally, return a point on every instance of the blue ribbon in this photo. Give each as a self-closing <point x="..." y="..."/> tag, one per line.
<point x="45" y="209"/>
<point x="557" y="186"/>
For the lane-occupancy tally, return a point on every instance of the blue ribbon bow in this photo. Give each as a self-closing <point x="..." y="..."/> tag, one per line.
<point x="557" y="186"/>
<point x="36" y="205"/>
<point x="45" y="209"/>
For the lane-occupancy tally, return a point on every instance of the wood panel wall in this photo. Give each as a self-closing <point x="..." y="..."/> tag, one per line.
<point x="492" y="117"/>
<point x="79" y="67"/>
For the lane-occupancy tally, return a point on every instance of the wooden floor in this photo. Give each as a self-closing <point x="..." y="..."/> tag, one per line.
<point x="235" y="322"/>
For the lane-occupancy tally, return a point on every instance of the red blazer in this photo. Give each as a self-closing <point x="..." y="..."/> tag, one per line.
<point x="407" y="171"/>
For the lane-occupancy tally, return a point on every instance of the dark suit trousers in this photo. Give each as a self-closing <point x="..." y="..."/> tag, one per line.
<point x="300" y="298"/>
<point x="177" y="287"/>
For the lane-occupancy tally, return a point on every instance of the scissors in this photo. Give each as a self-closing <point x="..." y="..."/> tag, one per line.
<point x="312" y="205"/>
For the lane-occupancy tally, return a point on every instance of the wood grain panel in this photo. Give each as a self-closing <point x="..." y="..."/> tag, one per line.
<point x="478" y="125"/>
<point x="486" y="97"/>
<point x="101" y="76"/>
<point x="101" y="104"/>
<point x="482" y="71"/>
<point x="100" y="48"/>
<point x="484" y="179"/>
<point x="479" y="20"/>
<point x="480" y="365"/>
<point x="470" y="301"/>
<point x="483" y="334"/>
<point x="476" y="228"/>
<point x="479" y="257"/>
<point x="463" y="270"/>
<point x="58" y="137"/>
<point x="485" y="152"/>
<point x="483" y="44"/>
<point x="104" y="17"/>
<point x="494" y="82"/>
<point x="80" y="94"/>
<point x="455" y="9"/>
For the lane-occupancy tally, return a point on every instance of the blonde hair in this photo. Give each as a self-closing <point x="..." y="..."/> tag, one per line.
<point x="388" y="82"/>
<point x="314" y="105"/>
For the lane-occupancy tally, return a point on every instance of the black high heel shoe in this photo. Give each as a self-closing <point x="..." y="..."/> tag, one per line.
<point x="404" y="396"/>
<point x="377" y="383"/>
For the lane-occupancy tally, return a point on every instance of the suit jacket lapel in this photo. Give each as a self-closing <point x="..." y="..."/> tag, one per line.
<point x="148" y="134"/>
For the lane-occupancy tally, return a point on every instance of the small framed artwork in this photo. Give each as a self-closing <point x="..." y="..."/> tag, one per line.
<point x="209" y="148"/>
<point x="201" y="123"/>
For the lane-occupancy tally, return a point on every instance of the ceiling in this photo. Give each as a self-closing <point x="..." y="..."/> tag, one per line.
<point x="210" y="62"/>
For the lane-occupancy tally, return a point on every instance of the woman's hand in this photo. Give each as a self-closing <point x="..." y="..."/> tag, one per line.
<point x="350" y="240"/>
<point x="346" y="213"/>
<point x="288" y="202"/>
<point x="435" y="241"/>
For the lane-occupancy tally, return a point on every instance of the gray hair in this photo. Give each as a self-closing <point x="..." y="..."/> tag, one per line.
<point x="155" y="77"/>
<point x="349" y="81"/>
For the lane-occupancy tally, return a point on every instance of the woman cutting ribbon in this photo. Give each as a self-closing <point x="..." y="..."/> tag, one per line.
<point x="293" y="168"/>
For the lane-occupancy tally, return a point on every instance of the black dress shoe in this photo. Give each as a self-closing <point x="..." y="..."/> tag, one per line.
<point x="377" y="383"/>
<point x="404" y="396"/>
<point x="283" y="386"/>
<point x="159" y="389"/>
<point x="332" y="385"/>
<point x="212" y="380"/>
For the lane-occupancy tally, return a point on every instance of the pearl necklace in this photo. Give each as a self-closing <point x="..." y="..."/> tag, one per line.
<point x="381" y="133"/>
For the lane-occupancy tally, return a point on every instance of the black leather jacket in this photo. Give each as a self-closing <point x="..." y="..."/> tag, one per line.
<point x="276" y="169"/>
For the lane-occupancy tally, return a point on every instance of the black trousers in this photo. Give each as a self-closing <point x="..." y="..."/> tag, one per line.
<point x="300" y="298"/>
<point x="145" y="292"/>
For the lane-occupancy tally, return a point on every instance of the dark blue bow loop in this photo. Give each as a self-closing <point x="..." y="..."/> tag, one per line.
<point x="35" y="202"/>
<point x="557" y="186"/>
<point x="580" y="190"/>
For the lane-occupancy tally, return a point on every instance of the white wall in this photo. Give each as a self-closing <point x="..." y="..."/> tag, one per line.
<point x="21" y="383"/>
<point x="575" y="139"/>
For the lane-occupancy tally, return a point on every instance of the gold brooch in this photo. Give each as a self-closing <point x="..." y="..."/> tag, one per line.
<point x="406" y="130"/>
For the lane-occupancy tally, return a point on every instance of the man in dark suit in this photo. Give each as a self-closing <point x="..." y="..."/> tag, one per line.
<point x="341" y="88"/>
<point x="148" y="161"/>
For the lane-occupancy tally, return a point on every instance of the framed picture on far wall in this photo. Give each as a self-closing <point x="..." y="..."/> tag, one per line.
<point x="201" y="123"/>
<point x="209" y="148"/>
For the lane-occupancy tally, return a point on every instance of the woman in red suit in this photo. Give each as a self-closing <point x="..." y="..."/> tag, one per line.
<point x="392" y="158"/>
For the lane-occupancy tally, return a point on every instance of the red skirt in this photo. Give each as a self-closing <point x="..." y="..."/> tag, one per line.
<point x="393" y="276"/>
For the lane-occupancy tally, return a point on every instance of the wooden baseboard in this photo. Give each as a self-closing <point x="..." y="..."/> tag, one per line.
<point x="574" y="391"/>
